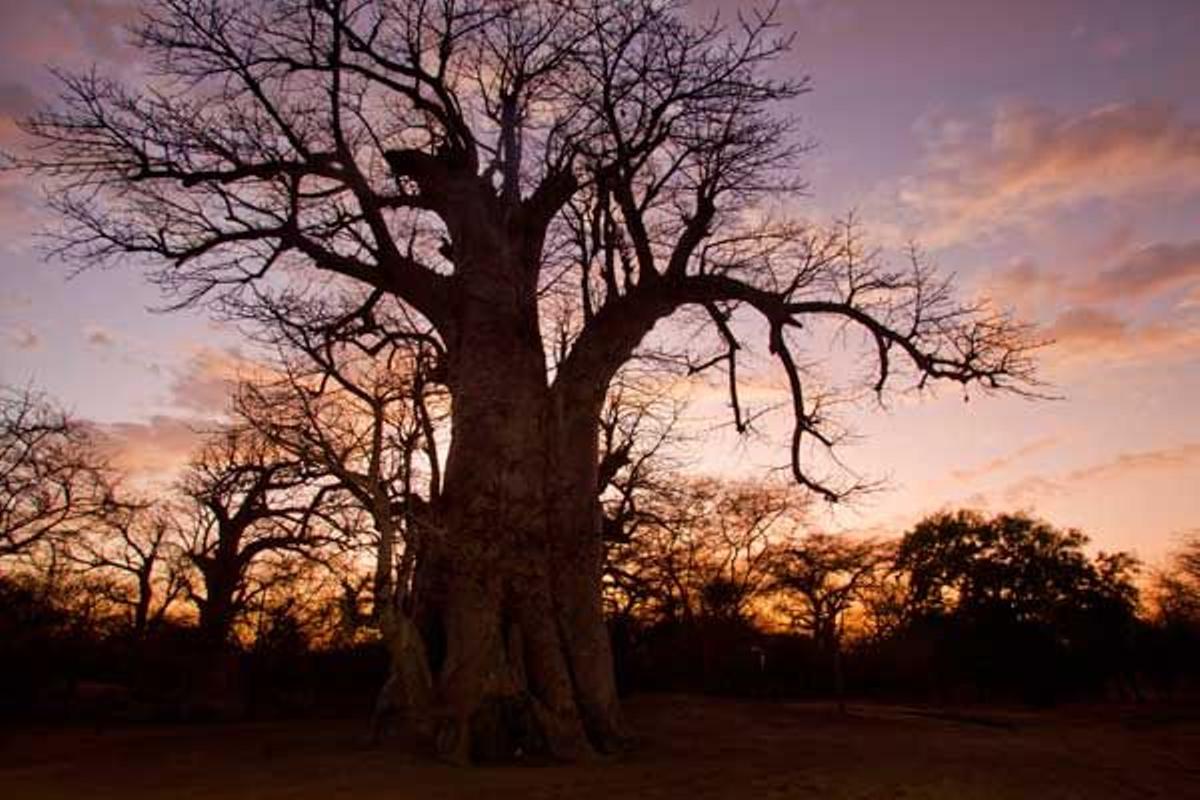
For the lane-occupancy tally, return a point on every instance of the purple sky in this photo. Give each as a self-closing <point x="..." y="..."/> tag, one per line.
<point x="1046" y="152"/>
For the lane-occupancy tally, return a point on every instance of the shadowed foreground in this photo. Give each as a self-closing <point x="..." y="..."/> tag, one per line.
<point x="693" y="748"/>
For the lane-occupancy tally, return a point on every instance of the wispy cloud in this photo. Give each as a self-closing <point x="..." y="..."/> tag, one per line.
<point x="39" y="31"/>
<point x="1029" y="160"/>
<point x="1088" y="311"/>
<point x="24" y="339"/>
<point x="97" y="336"/>
<point x="1087" y="334"/>
<point x="204" y="384"/>
<point x="1140" y="273"/>
<point x="1007" y="460"/>
<point x="1127" y="467"/>
<point x="34" y="34"/>
<point x="1149" y="271"/>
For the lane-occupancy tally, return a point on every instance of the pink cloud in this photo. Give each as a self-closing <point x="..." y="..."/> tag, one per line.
<point x="1192" y="300"/>
<point x="204" y="384"/>
<point x="1089" y="318"/>
<point x="157" y="448"/>
<point x="1027" y="492"/>
<point x="1149" y="271"/>
<point x="24" y="339"/>
<point x="1126" y="467"/>
<point x="1026" y="286"/>
<point x="1088" y="333"/>
<point x="1126" y="464"/>
<point x="1112" y="46"/>
<point x="97" y="336"/>
<point x="40" y="31"/>
<point x="1029" y="160"/>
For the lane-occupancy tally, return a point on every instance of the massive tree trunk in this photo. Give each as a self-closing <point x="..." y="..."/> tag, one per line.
<point x="511" y="607"/>
<point x="214" y="679"/>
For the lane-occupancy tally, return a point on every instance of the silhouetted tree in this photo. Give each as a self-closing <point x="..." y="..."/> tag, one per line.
<point x="1021" y="596"/>
<point x="820" y="577"/>
<point x="468" y="161"/>
<point x="638" y="483"/>
<point x="362" y="410"/>
<point x="705" y="549"/>
<point x="248" y="500"/>
<point x="687" y="584"/>
<point x="1177" y="587"/>
<point x="53" y="481"/>
<point x="1011" y="564"/>
<point x="1173" y="654"/>
<point x="135" y="546"/>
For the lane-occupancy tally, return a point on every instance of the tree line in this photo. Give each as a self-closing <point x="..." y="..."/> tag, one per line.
<point x="279" y="571"/>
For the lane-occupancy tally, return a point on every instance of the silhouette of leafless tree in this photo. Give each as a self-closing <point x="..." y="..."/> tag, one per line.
<point x="53" y="481"/>
<point x="468" y="161"/>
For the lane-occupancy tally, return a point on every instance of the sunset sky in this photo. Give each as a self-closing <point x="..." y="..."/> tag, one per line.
<point x="1047" y="153"/>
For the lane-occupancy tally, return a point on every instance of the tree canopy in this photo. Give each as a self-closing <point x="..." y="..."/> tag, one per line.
<point x="624" y="160"/>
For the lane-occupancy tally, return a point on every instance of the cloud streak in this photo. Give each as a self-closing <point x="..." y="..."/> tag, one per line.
<point x="205" y="383"/>
<point x="1090" y="318"/>
<point x="1150" y="271"/>
<point x="1031" y="160"/>
<point x="1087" y="333"/>
<point x="96" y="336"/>
<point x="1127" y="466"/>
<point x="24" y="339"/>
<point x="1007" y="460"/>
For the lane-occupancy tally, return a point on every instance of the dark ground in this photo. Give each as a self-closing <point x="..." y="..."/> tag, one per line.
<point x="693" y="747"/>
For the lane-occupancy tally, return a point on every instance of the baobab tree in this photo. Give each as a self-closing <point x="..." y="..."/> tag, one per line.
<point x="247" y="501"/>
<point x="469" y="161"/>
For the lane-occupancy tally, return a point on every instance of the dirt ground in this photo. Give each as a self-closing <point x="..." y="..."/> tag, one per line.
<point x="692" y="748"/>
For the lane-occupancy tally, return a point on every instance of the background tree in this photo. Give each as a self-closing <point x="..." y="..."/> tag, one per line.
<point x="689" y="584"/>
<point x="705" y="549"/>
<point x="361" y="410"/>
<point x="1012" y="565"/>
<point x="1173" y="651"/>
<point x="248" y="501"/>
<point x="460" y="159"/>
<point x="820" y="577"/>
<point x="638" y="481"/>
<point x="136" y="546"/>
<point x="52" y="478"/>
<point x="1177" y="587"/>
<point x="1026" y="602"/>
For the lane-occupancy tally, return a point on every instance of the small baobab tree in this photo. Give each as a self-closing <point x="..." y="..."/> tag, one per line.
<point x="245" y="500"/>
<point x="705" y="549"/>
<point x="361" y="411"/>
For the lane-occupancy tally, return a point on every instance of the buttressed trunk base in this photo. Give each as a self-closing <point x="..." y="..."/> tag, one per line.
<point x="510" y="606"/>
